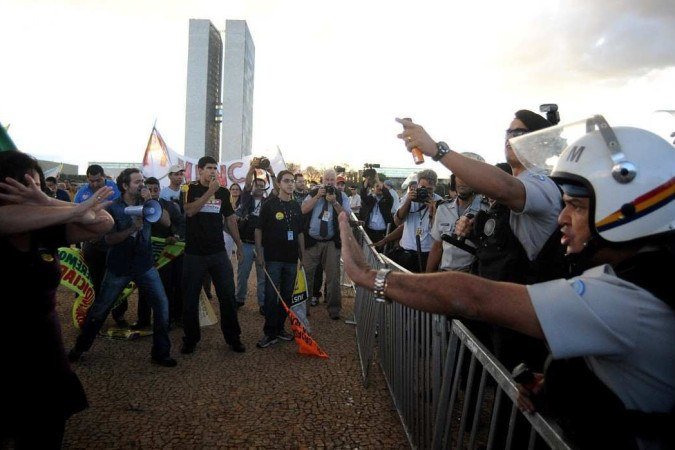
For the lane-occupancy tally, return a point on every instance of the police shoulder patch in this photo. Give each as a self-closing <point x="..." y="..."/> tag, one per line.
<point x="579" y="287"/>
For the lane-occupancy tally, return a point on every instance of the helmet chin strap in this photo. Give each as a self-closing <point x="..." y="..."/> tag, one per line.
<point x="583" y="260"/>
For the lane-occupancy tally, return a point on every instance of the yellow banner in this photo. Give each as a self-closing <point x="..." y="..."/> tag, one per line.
<point x="75" y="276"/>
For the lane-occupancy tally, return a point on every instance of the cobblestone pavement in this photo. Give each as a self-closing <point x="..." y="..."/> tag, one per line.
<point x="215" y="398"/>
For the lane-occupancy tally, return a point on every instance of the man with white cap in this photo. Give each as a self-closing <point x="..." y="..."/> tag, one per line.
<point x="172" y="191"/>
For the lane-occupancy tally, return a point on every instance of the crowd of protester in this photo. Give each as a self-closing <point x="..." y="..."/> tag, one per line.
<point x="492" y="250"/>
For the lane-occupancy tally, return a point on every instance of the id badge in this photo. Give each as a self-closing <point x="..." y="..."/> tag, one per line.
<point x="289" y="235"/>
<point x="418" y="231"/>
<point x="326" y="216"/>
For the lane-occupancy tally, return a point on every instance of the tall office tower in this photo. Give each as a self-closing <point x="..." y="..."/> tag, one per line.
<point x="237" y="91"/>
<point x="203" y="105"/>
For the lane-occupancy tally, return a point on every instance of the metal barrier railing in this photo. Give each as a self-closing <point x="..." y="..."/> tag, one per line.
<point x="422" y="357"/>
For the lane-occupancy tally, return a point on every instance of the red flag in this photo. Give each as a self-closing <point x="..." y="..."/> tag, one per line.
<point x="306" y="345"/>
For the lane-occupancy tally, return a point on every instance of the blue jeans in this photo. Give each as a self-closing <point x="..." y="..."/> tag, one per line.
<point x="150" y="285"/>
<point x="244" y="270"/>
<point x="219" y="267"/>
<point x="282" y="275"/>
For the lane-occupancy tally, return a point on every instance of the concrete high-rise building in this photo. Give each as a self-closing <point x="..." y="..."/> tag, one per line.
<point x="203" y="102"/>
<point x="238" y="71"/>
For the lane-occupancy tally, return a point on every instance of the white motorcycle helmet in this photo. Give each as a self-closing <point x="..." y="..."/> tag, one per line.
<point x="629" y="174"/>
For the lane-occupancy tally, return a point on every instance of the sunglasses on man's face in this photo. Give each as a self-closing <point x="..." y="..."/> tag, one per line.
<point x="515" y="132"/>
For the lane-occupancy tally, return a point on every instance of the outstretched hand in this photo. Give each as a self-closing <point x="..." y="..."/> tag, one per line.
<point x="87" y="210"/>
<point x="20" y="194"/>
<point x="354" y="262"/>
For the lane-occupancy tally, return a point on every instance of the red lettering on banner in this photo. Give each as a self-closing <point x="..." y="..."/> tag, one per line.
<point x="82" y="283"/>
<point x="69" y="276"/>
<point x="230" y="172"/>
<point x="63" y="269"/>
<point x="188" y="172"/>
<point x="222" y="178"/>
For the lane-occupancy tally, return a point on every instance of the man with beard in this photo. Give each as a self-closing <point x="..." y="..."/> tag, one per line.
<point x="130" y="259"/>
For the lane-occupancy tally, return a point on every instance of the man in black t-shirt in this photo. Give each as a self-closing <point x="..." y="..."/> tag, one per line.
<point x="206" y="204"/>
<point x="279" y="238"/>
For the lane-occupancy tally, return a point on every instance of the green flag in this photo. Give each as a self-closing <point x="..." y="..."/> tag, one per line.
<point x="6" y="142"/>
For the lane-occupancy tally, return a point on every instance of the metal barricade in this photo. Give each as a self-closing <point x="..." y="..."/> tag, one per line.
<point x="422" y="357"/>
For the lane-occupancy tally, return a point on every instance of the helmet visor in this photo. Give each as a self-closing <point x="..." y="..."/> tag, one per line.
<point x="540" y="151"/>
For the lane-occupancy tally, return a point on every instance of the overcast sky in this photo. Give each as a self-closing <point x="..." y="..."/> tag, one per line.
<point x="85" y="80"/>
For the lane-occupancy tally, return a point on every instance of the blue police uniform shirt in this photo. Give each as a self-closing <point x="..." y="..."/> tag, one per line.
<point x="85" y="192"/>
<point x="132" y="256"/>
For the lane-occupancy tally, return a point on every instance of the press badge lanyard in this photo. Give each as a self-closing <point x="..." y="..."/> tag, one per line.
<point x="287" y="219"/>
<point x="418" y="232"/>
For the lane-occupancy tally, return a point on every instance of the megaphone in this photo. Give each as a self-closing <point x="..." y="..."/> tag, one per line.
<point x="150" y="211"/>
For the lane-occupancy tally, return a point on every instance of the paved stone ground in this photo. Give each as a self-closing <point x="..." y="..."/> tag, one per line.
<point x="215" y="398"/>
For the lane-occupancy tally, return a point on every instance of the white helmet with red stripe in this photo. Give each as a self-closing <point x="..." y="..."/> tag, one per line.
<point x="629" y="174"/>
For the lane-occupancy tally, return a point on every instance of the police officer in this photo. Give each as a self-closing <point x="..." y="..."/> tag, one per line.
<point x="616" y="319"/>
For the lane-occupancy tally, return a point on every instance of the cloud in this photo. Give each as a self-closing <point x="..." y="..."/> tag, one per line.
<point x="602" y="39"/>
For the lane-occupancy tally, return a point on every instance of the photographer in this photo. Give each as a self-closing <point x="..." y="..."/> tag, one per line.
<point x="130" y="259"/>
<point x="416" y="213"/>
<point x="377" y="204"/>
<point x="264" y="164"/>
<point x="322" y="237"/>
<point x="252" y="199"/>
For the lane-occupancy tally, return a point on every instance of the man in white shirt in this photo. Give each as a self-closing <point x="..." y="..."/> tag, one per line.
<point x="172" y="191"/>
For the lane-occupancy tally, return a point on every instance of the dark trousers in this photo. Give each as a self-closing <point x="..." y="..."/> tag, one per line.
<point x="219" y="267"/>
<point x="375" y="235"/>
<point x="317" y="281"/>
<point x="282" y="275"/>
<point x="410" y="259"/>
<point x="150" y="284"/>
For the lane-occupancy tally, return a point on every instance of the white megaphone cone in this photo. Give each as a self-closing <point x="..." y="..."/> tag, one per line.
<point x="150" y="211"/>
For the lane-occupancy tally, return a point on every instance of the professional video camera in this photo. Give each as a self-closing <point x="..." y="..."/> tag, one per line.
<point x="260" y="162"/>
<point x="339" y="169"/>
<point x="369" y="171"/>
<point x="551" y="110"/>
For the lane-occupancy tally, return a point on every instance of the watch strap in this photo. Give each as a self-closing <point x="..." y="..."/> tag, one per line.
<point x="442" y="149"/>
<point x="380" y="284"/>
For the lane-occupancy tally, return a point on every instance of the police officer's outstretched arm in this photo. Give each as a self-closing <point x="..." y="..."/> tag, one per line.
<point x="482" y="177"/>
<point x="451" y="293"/>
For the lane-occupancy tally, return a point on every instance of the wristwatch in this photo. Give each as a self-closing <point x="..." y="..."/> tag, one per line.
<point x="380" y="284"/>
<point x="442" y="150"/>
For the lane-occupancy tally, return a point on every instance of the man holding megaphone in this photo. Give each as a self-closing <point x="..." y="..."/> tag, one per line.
<point x="130" y="259"/>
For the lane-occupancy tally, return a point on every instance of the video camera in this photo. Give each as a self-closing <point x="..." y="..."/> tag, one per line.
<point x="260" y="162"/>
<point x="551" y="110"/>
<point x="369" y="171"/>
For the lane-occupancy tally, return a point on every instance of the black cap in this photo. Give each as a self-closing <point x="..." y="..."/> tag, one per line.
<point x="532" y="120"/>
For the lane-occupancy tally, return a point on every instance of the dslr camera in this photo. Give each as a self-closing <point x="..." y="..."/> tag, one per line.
<point x="260" y="162"/>
<point x="423" y="195"/>
<point x="330" y="190"/>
